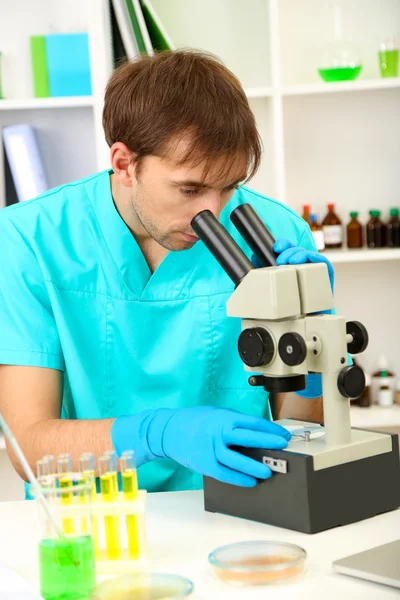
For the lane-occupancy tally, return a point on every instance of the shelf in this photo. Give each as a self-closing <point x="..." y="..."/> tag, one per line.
<point x="34" y="103"/>
<point x="259" y="92"/>
<point x="362" y="255"/>
<point x="375" y="416"/>
<point x="341" y="86"/>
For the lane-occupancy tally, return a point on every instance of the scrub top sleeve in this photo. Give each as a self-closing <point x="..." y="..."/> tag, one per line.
<point x="307" y="240"/>
<point x="28" y="332"/>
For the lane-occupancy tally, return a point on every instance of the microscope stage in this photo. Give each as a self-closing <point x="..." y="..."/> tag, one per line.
<point x="363" y="444"/>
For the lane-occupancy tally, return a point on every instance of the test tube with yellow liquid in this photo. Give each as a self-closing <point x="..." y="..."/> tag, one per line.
<point x="130" y="491"/>
<point x="114" y="462"/>
<point x="64" y="468"/>
<point x="109" y="495"/>
<point x="87" y="467"/>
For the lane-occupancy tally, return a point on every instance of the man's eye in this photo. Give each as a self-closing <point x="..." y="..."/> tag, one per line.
<point x="187" y="192"/>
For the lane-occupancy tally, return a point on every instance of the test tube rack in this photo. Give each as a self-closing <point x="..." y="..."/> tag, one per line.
<point x="120" y="509"/>
<point x="113" y="515"/>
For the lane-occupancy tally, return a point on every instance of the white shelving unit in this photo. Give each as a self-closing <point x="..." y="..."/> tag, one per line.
<point x="375" y="416"/>
<point x="69" y="129"/>
<point x="342" y="86"/>
<point x="365" y="255"/>
<point x="46" y="103"/>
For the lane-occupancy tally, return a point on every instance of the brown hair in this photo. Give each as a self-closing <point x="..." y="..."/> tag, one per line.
<point x="172" y="95"/>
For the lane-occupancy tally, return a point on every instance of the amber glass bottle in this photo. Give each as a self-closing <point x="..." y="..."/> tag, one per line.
<point x="354" y="232"/>
<point x="332" y="228"/>
<point x="306" y="213"/>
<point x="393" y="229"/>
<point x="376" y="230"/>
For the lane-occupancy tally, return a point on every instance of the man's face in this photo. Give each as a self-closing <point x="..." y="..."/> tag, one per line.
<point x="165" y="197"/>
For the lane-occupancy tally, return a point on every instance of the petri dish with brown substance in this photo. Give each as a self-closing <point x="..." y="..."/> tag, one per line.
<point x="257" y="562"/>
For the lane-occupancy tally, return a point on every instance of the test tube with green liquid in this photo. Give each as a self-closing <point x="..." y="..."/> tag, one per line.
<point x="108" y="494"/>
<point x="130" y="493"/>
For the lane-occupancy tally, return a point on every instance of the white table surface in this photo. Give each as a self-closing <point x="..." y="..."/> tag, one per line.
<point x="181" y="535"/>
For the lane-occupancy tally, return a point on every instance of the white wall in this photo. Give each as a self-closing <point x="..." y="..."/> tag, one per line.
<point x="11" y="485"/>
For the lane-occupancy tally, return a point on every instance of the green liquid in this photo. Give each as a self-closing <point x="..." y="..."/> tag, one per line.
<point x="340" y="73"/>
<point x="67" y="568"/>
<point x="389" y="62"/>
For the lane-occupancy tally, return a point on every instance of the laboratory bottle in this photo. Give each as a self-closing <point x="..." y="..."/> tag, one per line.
<point x="393" y="229"/>
<point x="398" y="391"/>
<point x="306" y="213"/>
<point x="385" y="393"/>
<point x="376" y="230"/>
<point x="316" y="230"/>
<point x="332" y="228"/>
<point x="354" y="232"/>
<point x="382" y="371"/>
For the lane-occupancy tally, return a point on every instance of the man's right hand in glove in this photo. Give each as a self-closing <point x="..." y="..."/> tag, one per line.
<point x="200" y="438"/>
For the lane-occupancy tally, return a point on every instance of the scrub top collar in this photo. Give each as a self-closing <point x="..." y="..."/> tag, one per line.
<point x="167" y="282"/>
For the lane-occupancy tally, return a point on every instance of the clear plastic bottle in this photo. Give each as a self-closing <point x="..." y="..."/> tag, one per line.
<point x="393" y="229"/>
<point x="376" y="230"/>
<point x="385" y="393"/>
<point x="333" y="229"/>
<point x="318" y="234"/>
<point x="354" y="232"/>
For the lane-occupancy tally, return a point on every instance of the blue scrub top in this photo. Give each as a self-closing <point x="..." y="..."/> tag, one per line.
<point x="76" y="294"/>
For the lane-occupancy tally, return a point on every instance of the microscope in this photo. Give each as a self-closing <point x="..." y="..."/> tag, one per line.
<point x="330" y="474"/>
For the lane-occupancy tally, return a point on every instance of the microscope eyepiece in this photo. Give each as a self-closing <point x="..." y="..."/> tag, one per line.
<point x="221" y="245"/>
<point x="255" y="233"/>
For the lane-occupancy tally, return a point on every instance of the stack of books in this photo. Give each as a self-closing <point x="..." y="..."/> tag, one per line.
<point x="61" y="65"/>
<point x="140" y="28"/>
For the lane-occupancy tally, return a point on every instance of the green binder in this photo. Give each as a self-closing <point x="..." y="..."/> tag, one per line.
<point x="157" y="33"/>
<point x="136" y="27"/>
<point x="39" y="67"/>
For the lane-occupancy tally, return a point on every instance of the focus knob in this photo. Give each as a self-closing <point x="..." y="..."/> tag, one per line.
<point x="292" y="349"/>
<point x="351" y="381"/>
<point x="360" y="337"/>
<point x="256" y="347"/>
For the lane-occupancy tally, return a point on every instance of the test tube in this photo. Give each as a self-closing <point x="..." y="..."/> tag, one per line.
<point x="113" y="456"/>
<point x="86" y="464"/>
<point x="52" y="463"/>
<point x="111" y="523"/>
<point x="42" y="468"/>
<point x="130" y="492"/>
<point x="64" y="468"/>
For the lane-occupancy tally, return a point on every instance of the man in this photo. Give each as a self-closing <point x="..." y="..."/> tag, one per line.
<point x="113" y="329"/>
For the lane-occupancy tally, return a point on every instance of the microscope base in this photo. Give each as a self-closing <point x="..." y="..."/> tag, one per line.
<point x="308" y="500"/>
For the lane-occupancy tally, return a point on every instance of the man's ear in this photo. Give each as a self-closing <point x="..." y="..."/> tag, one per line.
<point x="122" y="162"/>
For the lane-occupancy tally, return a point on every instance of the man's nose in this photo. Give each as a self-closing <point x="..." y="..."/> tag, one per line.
<point x="212" y="203"/>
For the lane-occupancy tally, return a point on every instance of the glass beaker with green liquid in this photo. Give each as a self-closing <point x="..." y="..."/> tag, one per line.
<point x="389" y="59"/>
<point x="67" y="556"/>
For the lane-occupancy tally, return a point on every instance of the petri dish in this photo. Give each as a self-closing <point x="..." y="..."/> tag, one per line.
<point x="257" y="562"/>
<point x="143" y="586"/>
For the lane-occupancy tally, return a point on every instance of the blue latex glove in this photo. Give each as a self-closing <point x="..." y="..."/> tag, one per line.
<point x="199" y="438"/>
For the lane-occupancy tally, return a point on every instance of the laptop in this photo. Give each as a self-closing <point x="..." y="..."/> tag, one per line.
<point x="380" y="564"/>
